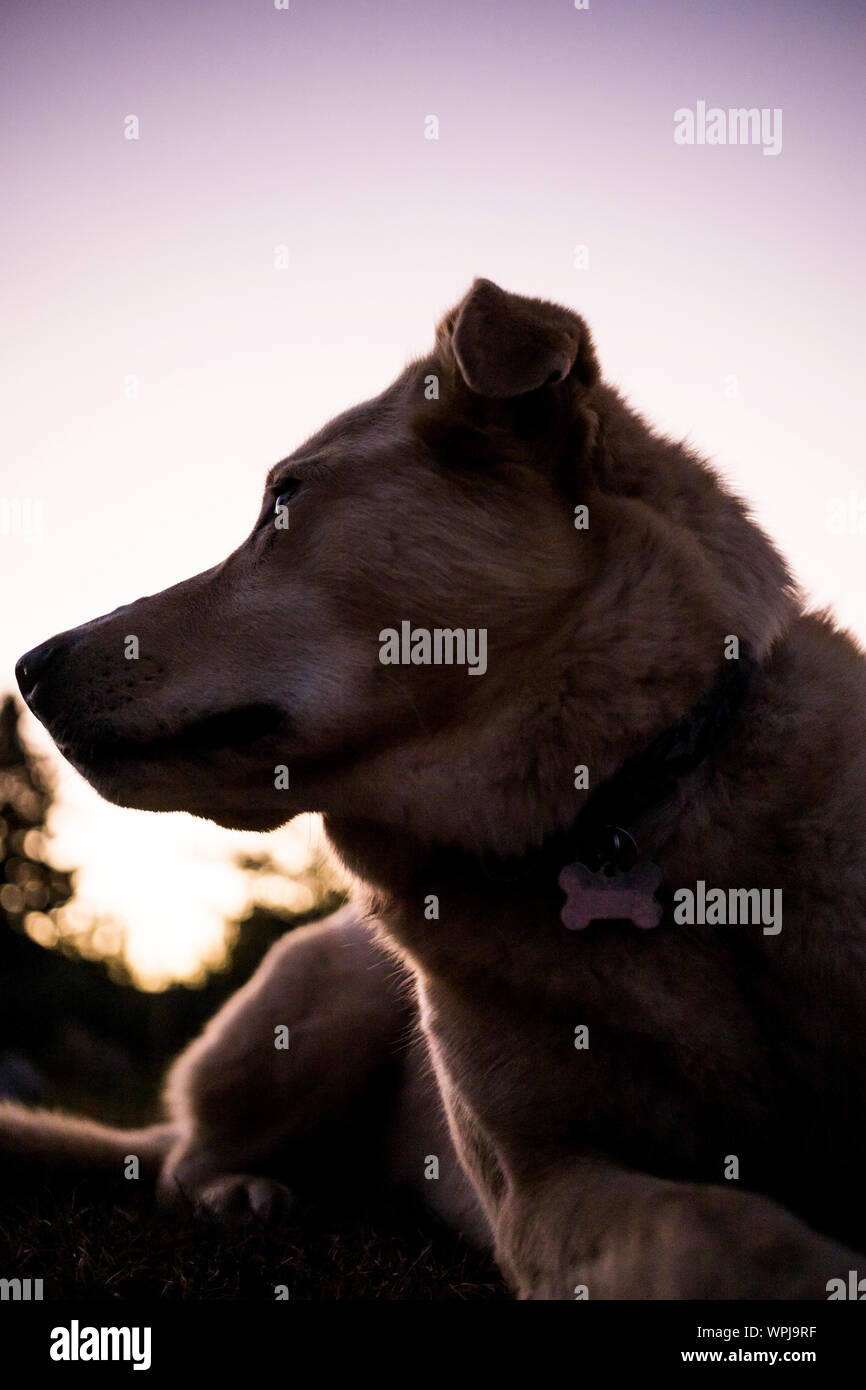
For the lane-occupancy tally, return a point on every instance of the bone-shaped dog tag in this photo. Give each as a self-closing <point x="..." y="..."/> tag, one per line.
<point x="628" y="894"/>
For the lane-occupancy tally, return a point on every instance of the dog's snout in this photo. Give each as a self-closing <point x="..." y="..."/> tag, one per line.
<point x="33" y="665"/>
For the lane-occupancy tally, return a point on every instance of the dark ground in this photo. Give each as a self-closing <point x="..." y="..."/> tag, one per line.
<point x="85" y="1249"/>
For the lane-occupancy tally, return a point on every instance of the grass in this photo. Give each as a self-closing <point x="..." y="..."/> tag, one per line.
<point x="86" y="1249"/>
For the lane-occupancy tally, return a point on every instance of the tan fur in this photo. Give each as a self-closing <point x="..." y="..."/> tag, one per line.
<point x="600" y="1168"/>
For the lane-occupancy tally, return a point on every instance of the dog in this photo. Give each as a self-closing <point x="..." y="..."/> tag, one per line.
<point x="517" y="1018"/>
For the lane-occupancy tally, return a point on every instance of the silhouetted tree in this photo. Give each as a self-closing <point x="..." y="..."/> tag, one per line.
<point x="28" y="883"/>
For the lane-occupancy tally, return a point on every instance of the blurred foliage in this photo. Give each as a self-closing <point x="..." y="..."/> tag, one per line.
<point x="74" y="1029"/>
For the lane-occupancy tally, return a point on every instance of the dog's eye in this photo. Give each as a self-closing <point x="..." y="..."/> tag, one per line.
<point x="288" y="488"/>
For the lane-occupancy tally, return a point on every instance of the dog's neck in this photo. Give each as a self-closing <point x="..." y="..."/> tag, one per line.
<point x="597" y="692"/>
<point x="642" y="784"/>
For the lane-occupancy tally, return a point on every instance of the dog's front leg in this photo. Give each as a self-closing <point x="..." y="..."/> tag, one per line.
<point x="595" y="1230"/>
<point x="313" y="1078"/>
<point x="294" y="1076"/>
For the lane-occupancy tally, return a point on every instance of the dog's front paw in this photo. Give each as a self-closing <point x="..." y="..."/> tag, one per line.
<point x="233" y="1196"/>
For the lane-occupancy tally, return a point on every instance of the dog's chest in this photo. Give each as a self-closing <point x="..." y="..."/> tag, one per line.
<point x="538" y="1031"/>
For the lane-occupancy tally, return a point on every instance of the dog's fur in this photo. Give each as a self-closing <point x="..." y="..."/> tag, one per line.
<point x="449" y="501"/>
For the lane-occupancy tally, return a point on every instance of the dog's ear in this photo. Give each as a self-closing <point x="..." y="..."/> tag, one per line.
<point x="506" y="345"/>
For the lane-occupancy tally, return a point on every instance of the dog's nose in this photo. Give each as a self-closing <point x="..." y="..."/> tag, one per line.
<point x="33" y="665"/>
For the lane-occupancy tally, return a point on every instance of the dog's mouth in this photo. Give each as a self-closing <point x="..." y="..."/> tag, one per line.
<point x="233" y="730"/>
<point x="210" y="766"/>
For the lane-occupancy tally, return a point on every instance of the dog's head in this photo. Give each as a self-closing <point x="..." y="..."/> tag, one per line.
<point x="296" y="674"/>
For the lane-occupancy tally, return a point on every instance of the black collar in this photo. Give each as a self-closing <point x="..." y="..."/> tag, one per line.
<point x="601" y="836"/>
